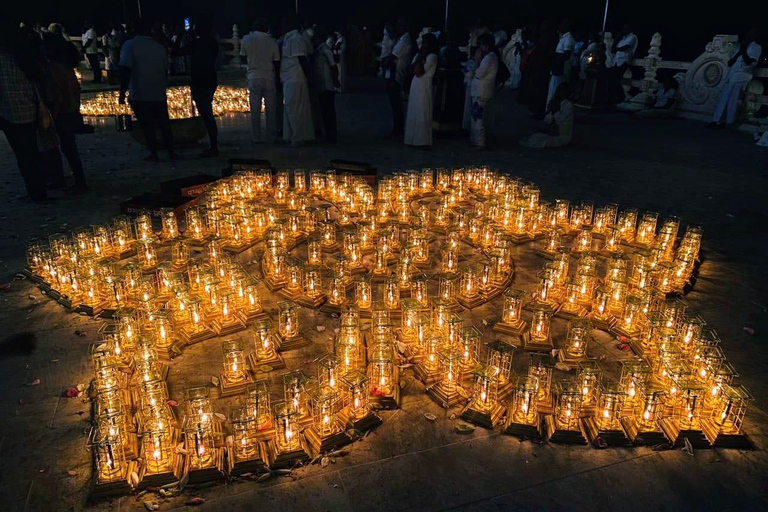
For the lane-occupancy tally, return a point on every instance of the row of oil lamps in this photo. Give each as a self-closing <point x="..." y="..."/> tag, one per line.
<point x="353" y="240"/>
<point x="226" y="100"/>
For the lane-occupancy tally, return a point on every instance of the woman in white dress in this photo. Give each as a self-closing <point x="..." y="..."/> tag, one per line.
<point x="559" y="119"/>
<point x="418" y="121"/>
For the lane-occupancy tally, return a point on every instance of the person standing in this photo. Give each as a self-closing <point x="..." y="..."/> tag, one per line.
<point x="263" y="59"/>
<point x="561" y="66"/>
<point x="742" y="66"/>
<point x="91" y="48"/>
<point x="294" y="70"/>
<point x="625" y="52"/>
<point x="539" y="69"/>
<point x="62" y="60"/>
<point x="395" y="71"/>
<point x="418" y="123"/>
<point x="340" y="54"/>
<point x="483" y="85"/>
<point x="144" y="67"/>
<point x="387" y="42"/>
<point x="204" y="52"/>
<point x="114" y="45"/>
<point x="327" y="80"/>
<point x="19" y="111"/>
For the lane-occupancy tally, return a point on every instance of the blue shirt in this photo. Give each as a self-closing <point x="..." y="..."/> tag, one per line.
<point x="148" y="61"/>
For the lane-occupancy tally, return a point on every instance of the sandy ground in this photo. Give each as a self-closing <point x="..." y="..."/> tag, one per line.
<point x="717" y="179"/>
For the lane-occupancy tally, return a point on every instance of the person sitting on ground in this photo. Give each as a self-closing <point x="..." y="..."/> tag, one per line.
<point x="664" y="105"/>
<point x="742" y="66"/>
<point x="558" y="131"/>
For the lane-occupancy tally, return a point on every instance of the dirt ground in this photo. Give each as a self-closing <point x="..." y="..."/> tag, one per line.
<point x="716" y="179"/>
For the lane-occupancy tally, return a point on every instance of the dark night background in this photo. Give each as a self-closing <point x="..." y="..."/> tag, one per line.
<point x="686" y="25"/>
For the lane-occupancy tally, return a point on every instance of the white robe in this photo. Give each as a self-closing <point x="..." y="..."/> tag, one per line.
<point x="564" y="120"/>
<point x="297" y="112"/>
<point x="418" y="121"/>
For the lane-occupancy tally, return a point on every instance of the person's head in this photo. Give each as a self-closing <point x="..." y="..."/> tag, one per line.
<point x="626" y="29"/>
<point x="561" y="93"/>
<point x="55" y="28"/>
<point x="260" y="25"/>
<point x="401" y="27"/>
<point x="321" y="34"/>
<point x="594" y="36"/>
<point x="141" y="27"/>
<point x="753" y="34"/>
<point x="486" y="43"/>
<point x="290" y="23"/>
<point x="565" y="26"/>
<point x="429" y="44"/>
<point x="669" y="82"/>
<point x="389" y="28"/>
<point x="87" y="25"/>
<point x="203" y="25"/>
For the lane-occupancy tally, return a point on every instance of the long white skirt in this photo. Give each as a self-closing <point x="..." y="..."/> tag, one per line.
<point x="297" y="112"/>
<point x="418" y="121"/>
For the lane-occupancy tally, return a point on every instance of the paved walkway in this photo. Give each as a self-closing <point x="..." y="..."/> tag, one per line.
<point x="717" y="179"/>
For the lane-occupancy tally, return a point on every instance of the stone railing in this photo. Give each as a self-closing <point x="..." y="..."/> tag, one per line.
<point x="230" y="49"/>
<point x="700" y="82"/>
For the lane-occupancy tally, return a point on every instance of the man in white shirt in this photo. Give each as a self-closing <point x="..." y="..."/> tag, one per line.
<point x="395" y="70"/>
<point x="622" y="58"/>
<point x="326" y="80"/>
<point x="561" y="67"/>
<point x="144" y="67"/>
<point x="742" y="66"/>
<point x="263" y="58"/>
<point x="294" y="70"/>
<point x="90" y="46"/>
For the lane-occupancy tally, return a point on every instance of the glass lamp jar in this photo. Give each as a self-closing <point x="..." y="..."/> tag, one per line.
<point x="500" y="361"/>
<point x="540" y="322"/>
<point x="381" y="370"/>
<point x="419" y="289"/>
<point x="363" y="293"/>
<point x="235" y="367"/>
<point x="257" y="403"/>
<point x="524" y="402"/>
<point x="610" y="407"/>
<point x="627" y="224"/>
<point x="170" y="225"/>
<point x="288" y="319"/>
<point x="287" y="435"/>
<point x="356" y="386"/>
<point x="589" y="376"/>
<point x="157" y="445"/>
<point x="568" y="405"/>
<point x="577" y="339"/>
<point x="244" y="430"/>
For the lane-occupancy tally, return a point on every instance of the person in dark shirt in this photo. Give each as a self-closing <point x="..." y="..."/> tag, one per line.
<point x="203" y="52"/>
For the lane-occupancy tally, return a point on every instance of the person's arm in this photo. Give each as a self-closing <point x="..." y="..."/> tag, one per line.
<point x="304" y="63"/>
<point x="749" y="59"/>
<point x="483" y="69"/>
<point x="126" y="65"/>
<point x="736" y="56"/>
<point x="125" y="80"/>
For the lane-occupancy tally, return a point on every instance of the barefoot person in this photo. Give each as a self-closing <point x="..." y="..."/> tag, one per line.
<point x="144" y="64"/>
<point x="294" y="70"/>
<point x="418" y="122"/>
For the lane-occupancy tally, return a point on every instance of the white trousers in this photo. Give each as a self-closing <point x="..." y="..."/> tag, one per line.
<point x="478" y="129"/>
<point x="729" y="102"/>
<point x="258" y="89"/>
<point x="297" y="112"/>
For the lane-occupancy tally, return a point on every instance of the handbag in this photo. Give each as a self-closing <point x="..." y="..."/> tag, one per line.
<point x="44" y="117"/>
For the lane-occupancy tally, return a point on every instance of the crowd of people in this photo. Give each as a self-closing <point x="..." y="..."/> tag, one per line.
<point x="294" y="72"/>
